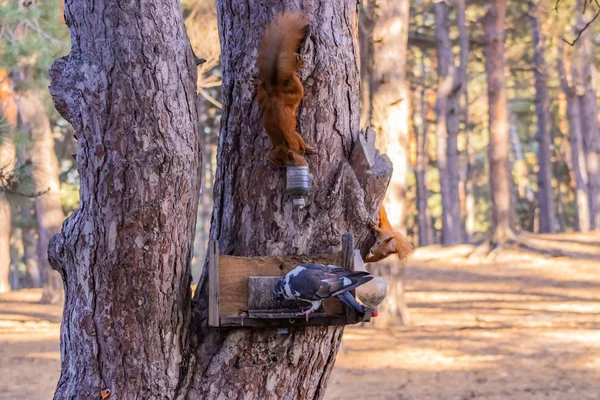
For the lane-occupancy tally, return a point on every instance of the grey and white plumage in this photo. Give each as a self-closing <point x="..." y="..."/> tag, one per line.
<point x="312" y="283"/>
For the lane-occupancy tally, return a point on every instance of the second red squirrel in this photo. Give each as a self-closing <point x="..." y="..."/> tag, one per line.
<point x="388" y="241"/>
<point x="279" y="88"/>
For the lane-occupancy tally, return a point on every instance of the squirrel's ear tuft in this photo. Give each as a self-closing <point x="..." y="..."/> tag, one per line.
<point x="388" y="239"/>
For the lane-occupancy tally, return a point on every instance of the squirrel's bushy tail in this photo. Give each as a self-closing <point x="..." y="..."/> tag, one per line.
<point x="278" y="47"/>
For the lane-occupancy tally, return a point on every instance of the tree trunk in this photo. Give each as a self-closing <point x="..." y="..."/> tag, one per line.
<point x="468" y="184"/>
<point x="139" y="236"/>
<point x="585" y="81"/>
<point x="252" y="215"/>
<point x="582" y="210"/>
<point x="28" y="237"/>
<point x="390" y="96"/>
<point x="545" y="194"/>
<point x="129" y="89"/>
<point x="420" y="127"/>
<point x="499" y="145"/>
<point x="365" y="30"/>
<point x="448" y="119"/>
<point x="8" y="112"/>
<point x="48" y="208"/>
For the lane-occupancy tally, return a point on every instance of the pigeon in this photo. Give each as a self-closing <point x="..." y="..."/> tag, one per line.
<point x="312" y="283"/>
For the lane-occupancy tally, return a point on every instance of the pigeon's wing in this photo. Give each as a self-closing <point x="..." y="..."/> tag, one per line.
<point x="339" y="282"/>
<point x="310" y="281"/>
<point x="306" y="282"/>
<point x="321" y="267"/>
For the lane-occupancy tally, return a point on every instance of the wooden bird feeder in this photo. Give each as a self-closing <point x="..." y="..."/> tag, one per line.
<point x="241" y="290"/>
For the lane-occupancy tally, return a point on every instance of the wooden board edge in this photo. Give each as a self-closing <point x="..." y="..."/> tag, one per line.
<point x="213" y="284"/>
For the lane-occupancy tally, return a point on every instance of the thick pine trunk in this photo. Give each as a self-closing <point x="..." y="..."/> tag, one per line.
<point x="579" y="168"/>
<point x="545" y="194"/>
<point x="128" y="88"/>
<point x="8" y="112"/>
<point x="499" y="140"/>
<point x="48" y="207"/>
<point x="252" y="215"/>
<point x="390" y="96"/>
<point x="448" y="120"/>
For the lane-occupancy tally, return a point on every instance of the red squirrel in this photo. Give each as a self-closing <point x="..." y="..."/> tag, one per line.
<point x="388" y="241"/>
<point x="280" y="89"/>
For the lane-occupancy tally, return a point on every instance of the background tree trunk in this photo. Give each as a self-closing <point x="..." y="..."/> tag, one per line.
<point x="499" y="146"/>
<point x="419" y="112"/>
<point x="8" y="112"/>
<point x="585" y="82"/>
<point x="468" y="184"/>
<point x="125" y="255"/>
<point x="253" y="216"/>
<point x="390" y="97"/>
<point x="365" y="31"/>
<point x="448" y="119"/>
<point x="545" y="194"/>
<point x="28" y="237"/>
<point x="582" y="210"/>
<point x="48" y="208"/>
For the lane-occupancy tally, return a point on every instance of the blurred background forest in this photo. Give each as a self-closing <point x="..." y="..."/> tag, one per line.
<point x="442" y="191"/>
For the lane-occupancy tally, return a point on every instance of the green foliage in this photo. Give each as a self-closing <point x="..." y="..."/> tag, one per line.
<point x="30" y="38"/>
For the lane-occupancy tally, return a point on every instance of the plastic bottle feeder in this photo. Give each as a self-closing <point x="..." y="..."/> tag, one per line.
<point x="298" y="185"/>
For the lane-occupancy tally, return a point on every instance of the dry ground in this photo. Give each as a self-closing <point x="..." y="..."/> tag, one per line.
<point x="513" y="325"/>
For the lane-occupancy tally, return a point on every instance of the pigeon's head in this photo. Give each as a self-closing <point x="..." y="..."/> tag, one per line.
<point x="279" y="291"/>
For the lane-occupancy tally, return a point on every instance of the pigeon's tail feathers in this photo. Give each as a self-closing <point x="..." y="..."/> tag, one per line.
<point x="351" y="302"/>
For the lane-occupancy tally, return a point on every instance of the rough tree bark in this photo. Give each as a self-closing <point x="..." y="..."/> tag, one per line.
<point x="8" y="112"/>
<point x="499" y="145"/>
<point x="390" y="97"/>
<point x="579" y="169"/>
<point x="448" y="120"/>
<point x="128" y="88"/>
<point x="585" y="81"/>
<point x="545" y="194"/>
<point x="35" y="124"/>
<point x="253" y="216"/>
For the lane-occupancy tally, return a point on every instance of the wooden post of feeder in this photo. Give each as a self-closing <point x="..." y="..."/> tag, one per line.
<point x="348" y="264"/>
<point x="213" y="283"/>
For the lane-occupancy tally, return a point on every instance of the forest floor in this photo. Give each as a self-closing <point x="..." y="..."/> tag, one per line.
<point x="514" y="324"/>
